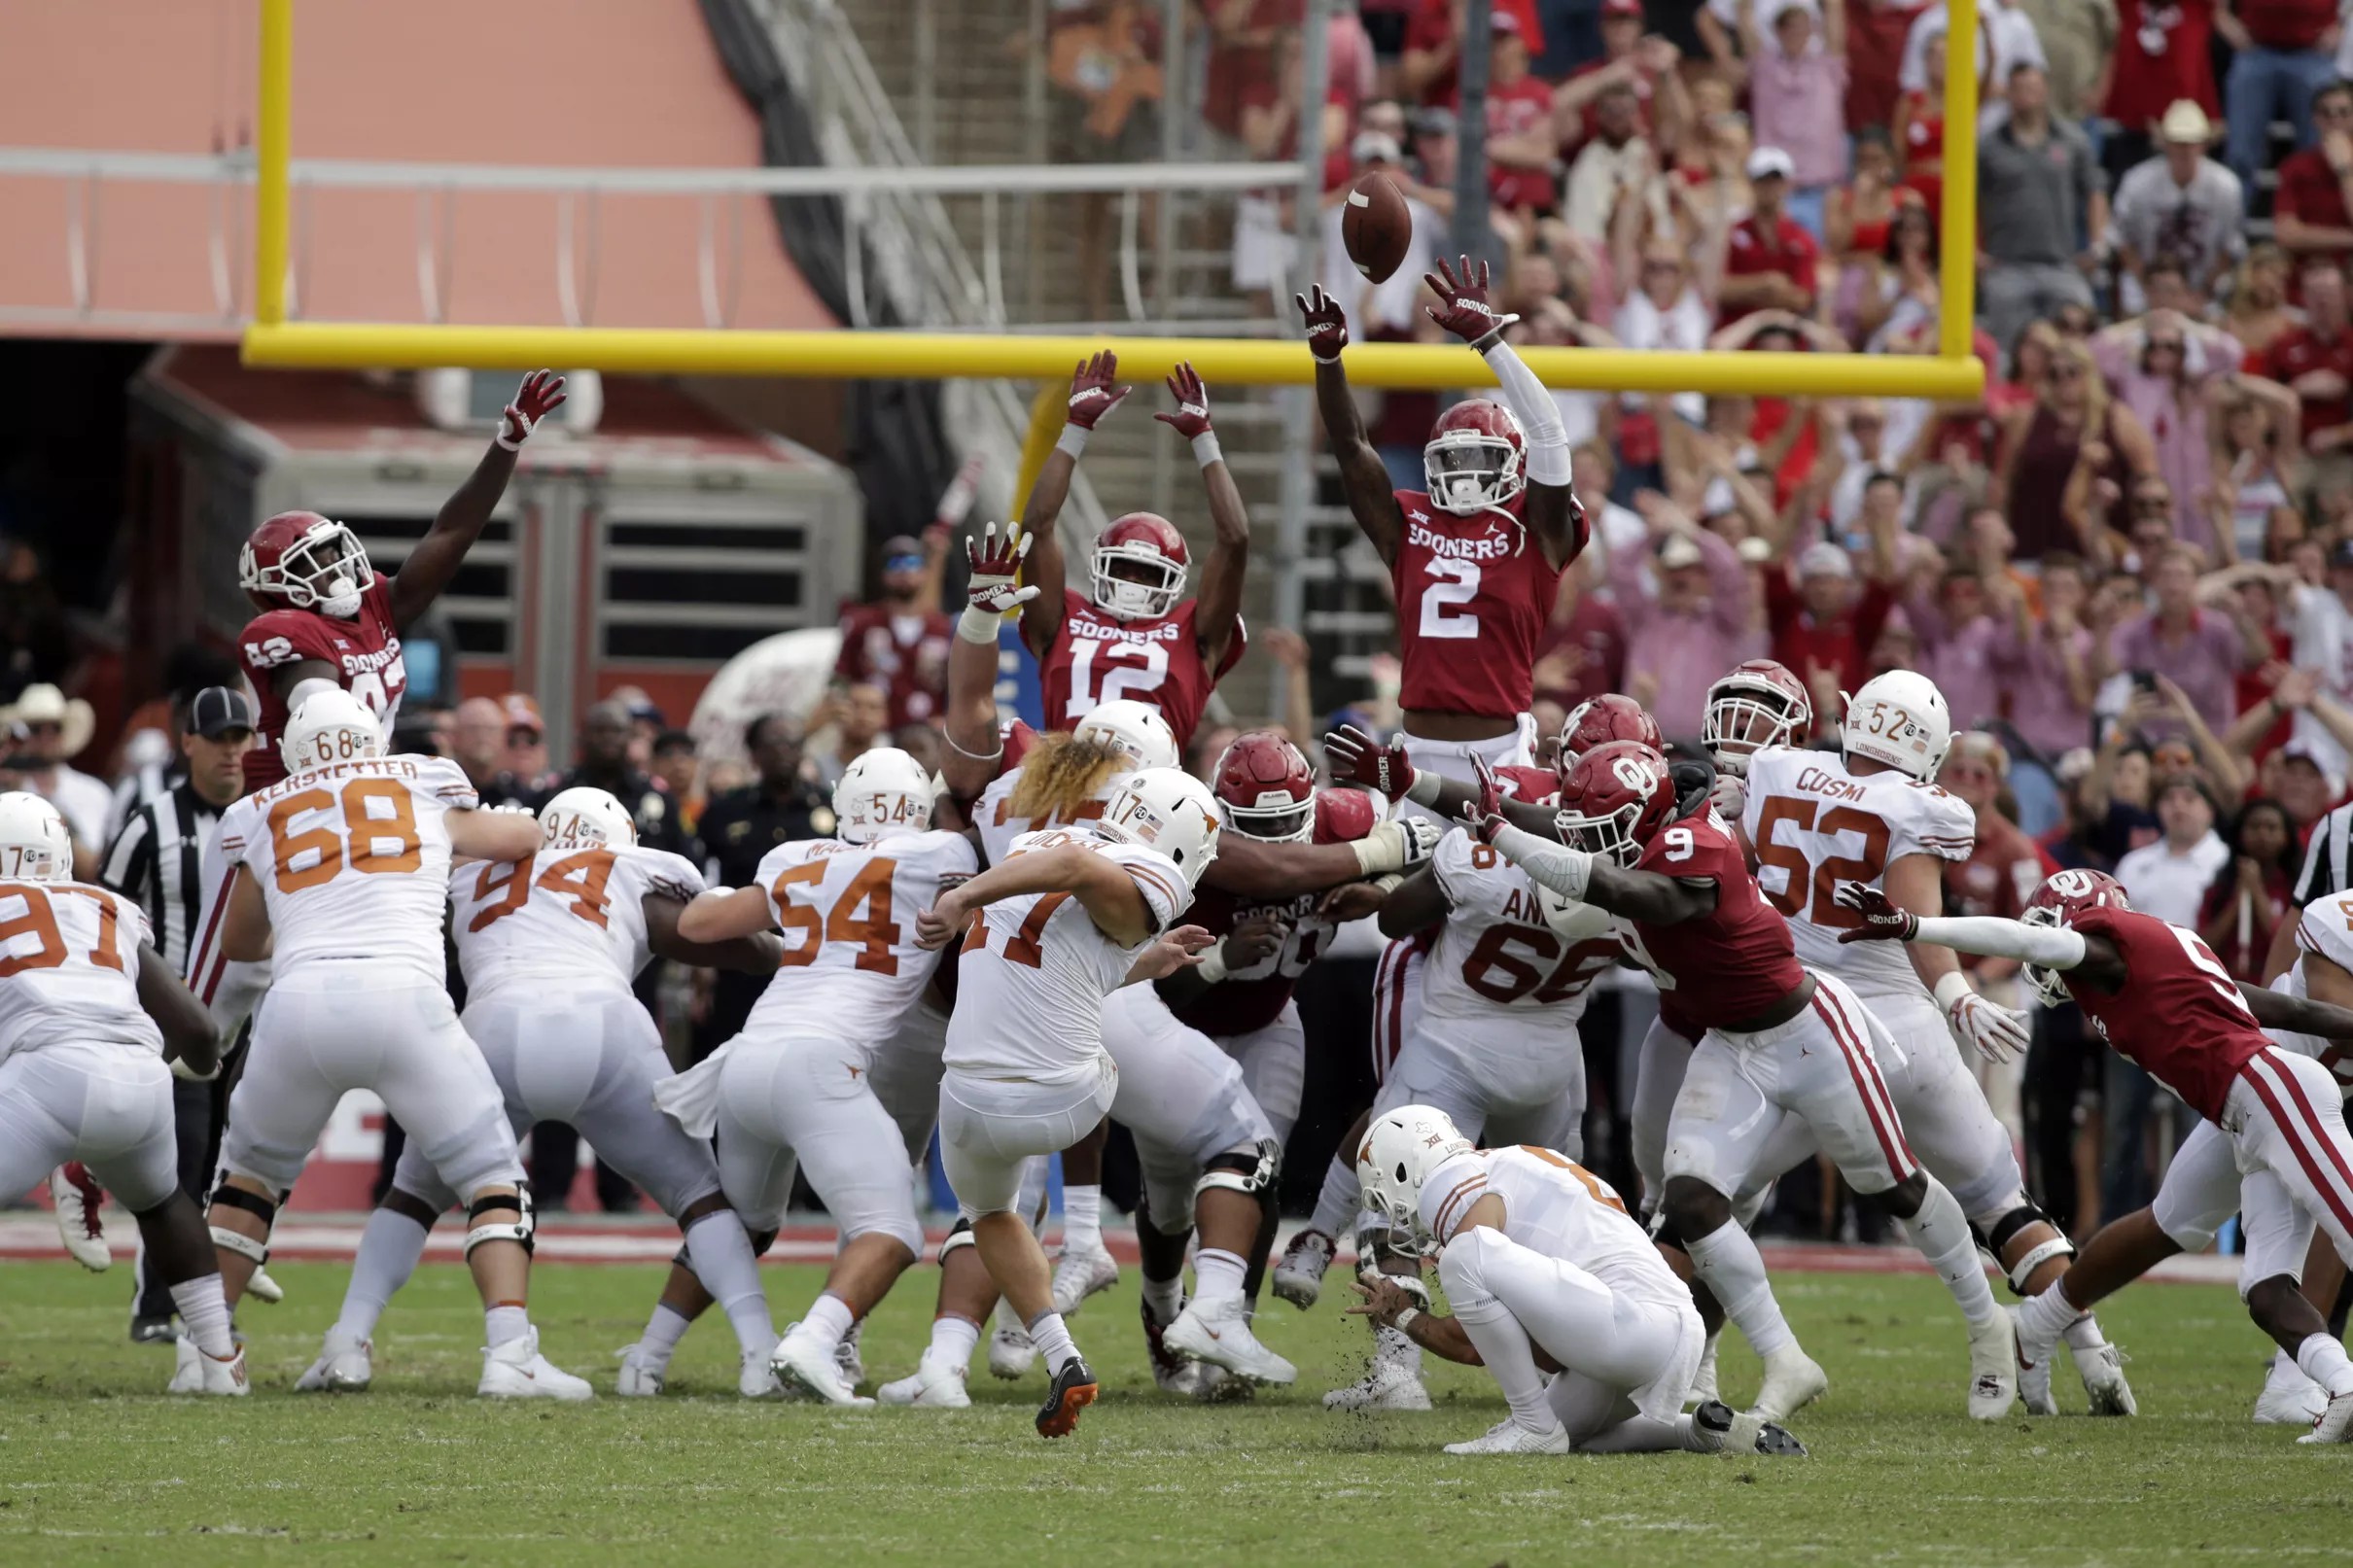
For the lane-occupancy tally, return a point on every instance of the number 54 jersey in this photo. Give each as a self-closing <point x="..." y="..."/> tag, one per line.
<point x="851" y="968"/>
<point x="572" y="917"/>
<point x="1816" y="825"/>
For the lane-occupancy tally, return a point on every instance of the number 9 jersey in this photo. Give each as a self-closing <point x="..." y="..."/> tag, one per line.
<point x="1097" y="657"/>
<point x="365" y="651"/>
<point x="573" y="916"/>
<point x="1473" y="595"/>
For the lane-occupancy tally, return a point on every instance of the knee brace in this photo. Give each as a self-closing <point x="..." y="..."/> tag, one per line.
<point x="1249" y="1171"/>
<point x="236" y="1241"/>
<point x="959" y="1236"/>
<point x="2005" y="1231"/>
<point x="519" y="1230"/>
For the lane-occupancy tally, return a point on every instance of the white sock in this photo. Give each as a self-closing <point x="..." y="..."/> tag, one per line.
<point x="1391" y="1346"/>
<point x="2041" y="1319"/>
<point x="1729" y="1264"/>
<point x="1165" y="1298"/>
<point x="205" y="1313"/>
<point x="390" y="1249"/>
<point x="2285" y="1370"/>
<point x="953" y="1340"/>
<point x="1053" y="1340"/>
<point x="2083" y="1333"/>
<point x="1510" y="1358"/>
<point x="663" y="1330"/>
<point x="1216" y="1275"/>
<point x="503" y="1325"/>
<point x="2323" y="1360"/>
<point x="721" y="1255"/>
<point x="1081" y="1220"/>
<point x="1941" y="1231"/>
<point x="1336" y="1205"/>
<point x="827" y="1321"/>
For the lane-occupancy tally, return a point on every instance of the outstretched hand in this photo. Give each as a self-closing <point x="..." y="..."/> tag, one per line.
<point x="994" y="563"/>
<point x="1883" y="922"/>
<point x="1092" y="391"/>
<point x="1191" y="420"/>
<point x="1356" y="758"/>
<point x="1327" y="323"/>
<point x="1482" y="816"/>
<point x="1179" y="949"/>
<point x="541" y="394"/>
<point x="1463" y="308"/>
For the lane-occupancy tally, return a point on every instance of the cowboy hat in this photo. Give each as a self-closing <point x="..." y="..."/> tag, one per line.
<point x="43" y="704"/>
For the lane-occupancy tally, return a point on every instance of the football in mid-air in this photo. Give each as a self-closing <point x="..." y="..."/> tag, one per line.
<point x="1377" y="227"/>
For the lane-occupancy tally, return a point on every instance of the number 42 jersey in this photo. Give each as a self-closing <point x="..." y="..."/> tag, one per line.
<point x="575" y="916"/>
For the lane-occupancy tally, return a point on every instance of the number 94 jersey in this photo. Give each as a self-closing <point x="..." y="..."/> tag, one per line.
<point x="1814" y="825"/>
<point x="69" y="968"/>
<point x="851" y="968"/>
<point x="576" y="917"/>
<point x="1473" y="595"/>
<point x="1097" y="658"/>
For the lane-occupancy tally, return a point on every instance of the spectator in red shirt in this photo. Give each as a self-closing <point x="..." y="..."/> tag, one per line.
<point x="1433" y="44"/>
<point x="2162" y="56"/>
<point x="2309" y="213"/>
<point x="1769" y="262"/>
<point x="900" y="643"/>
<point x="1521" y="149"/>
<point x="1875" y="31"/>
<point x="2283" y="58"/>
<point x="1645" y="64"/>
<point x="2315" y="362"/>
<point x="1823" y="621"/>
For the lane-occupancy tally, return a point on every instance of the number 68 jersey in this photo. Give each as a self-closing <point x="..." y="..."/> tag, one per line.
<point x="851" y="967"/>
<point x="69" y="968"/>
<point x="1814" y="825"/>
<point x="576" y="916"/>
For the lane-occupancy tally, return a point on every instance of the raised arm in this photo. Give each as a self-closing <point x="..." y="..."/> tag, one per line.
<point x="969" y="722"/>
<point x="1355" y="757"/>
<point x="1363" y="477"/>
<point x="433" y="564"/>
<point x="2052" y="947"/>
<point x="1217" y="612"/>
<point x="1092" y="394"/>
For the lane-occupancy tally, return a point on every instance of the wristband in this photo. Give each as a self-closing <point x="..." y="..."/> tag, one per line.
<point x="1382" y="850"/>
<point x="1211" y="967"/>
<point x="1388" y="881"/>
<point x="1423" y="790"/>
<point x="1205" y="448"/>
<point x="977" y="625"/>
<point x="1951" y="989"/>
<point x="1486" y="340"/>
<point x="1072" y="439"/>
<point x="1404" y="1318"/>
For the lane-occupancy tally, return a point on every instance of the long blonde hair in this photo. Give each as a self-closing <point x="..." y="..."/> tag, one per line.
<point x="1063" y="775"/>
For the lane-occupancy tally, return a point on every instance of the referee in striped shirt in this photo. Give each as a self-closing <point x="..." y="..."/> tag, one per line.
<point x="158" y="862"/>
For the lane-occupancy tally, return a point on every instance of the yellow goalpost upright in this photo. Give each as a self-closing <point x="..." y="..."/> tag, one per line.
<point x="1951" y="375"/>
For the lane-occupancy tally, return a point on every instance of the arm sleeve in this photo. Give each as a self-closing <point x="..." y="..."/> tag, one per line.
<point x="1566" y="871"/>
<point x="1548" y="460"/>
<point x="2054" y="947"/>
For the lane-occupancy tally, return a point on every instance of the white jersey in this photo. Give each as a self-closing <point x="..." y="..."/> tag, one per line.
<point x="1813" y="824"/>
<point x="564" y="918"/>
<point x="353" y="859"/>
<point x="69" y="968"/>
<point x="993" y="812"/>
<point x="851" y="967"/>
<point x="1508" y="978"/>
<point x="1554" y="1206"/>
<point x="1035" y="968"/>
<point x="2326" y="927"/>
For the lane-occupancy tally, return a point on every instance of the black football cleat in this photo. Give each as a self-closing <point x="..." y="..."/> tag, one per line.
<point x="1073" y="1391"/>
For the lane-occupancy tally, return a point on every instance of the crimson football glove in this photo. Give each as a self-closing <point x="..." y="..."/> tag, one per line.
<point x="994" y="563"/>
<point x="1463" y="308"/>
<point x="1357" y="758"/>
<point x="1883" y="922"/>
<point x="1191" y="420"/>
<point x="1327" y="323"/>
<point x="1482" y="816"/>
<point x="541" y="394"/>
<point x="1092" y="394"/>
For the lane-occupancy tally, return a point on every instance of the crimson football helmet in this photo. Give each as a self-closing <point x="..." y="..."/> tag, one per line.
<point x="1146" y="545"/>
<point x="1266" y="790"/>
<point x="1473" y="462"/>
<point x="1599" y="720"/>
<point x="1759" y="703"/>
<point x="1614" y="800"/>
<point x="2062" y="897"/>
<point x="303" y="561"/>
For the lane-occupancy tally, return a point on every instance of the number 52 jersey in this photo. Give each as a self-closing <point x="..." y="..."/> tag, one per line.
<point x="575" y="916"/>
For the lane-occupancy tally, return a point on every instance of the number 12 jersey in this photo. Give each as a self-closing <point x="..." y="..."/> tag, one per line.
<point x="1097" y="658"/>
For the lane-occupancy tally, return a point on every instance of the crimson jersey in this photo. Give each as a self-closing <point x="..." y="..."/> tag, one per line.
<point x="1251" y="998"/>
<point x="1097" y="658"/>
<point x="1730" y="964"/>
<point x="2179" y="1016"/>
<point x="1473" y="596"/>
<point x="365" y="650"/>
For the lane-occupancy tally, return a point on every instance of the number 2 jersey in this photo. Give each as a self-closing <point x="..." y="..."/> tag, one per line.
<point x="1473" y="595"/>
<point x="561" y="918"/>
<point x="1731" y="964"/>
<point x="365" y="651"/>
<point x="1035" y="968"/>
<point x="69" y="968"/>
<point x="2179" y="1015"/>
<point x="353" y="861"/>
<point x="1251" y="998"/>
<point x="1816" y="825"/>
<point x="851" y="967"/>
<point x="1097" y="658"/>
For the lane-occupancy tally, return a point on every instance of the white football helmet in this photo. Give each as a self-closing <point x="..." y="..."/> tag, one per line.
<point x="1167" y="810"/>
<point x="1399" y="1151"/>
<point x="584" y="818"/>
<point x="882" y="792"/>
<point x="34" y="845"/>
<point x="1136" y="728"/>
<point x="330" y="726"/>
<point x="1899" y="718"/>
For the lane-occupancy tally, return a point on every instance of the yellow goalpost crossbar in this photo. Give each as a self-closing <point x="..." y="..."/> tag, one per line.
<point x="1953" y="374"/>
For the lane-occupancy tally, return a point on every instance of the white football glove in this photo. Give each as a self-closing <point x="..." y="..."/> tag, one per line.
<point x="1998" y="1034"/>
<point x="1730" y="798"/>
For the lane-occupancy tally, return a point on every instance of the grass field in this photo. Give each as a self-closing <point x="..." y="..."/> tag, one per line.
<point x="97" y="1467"/>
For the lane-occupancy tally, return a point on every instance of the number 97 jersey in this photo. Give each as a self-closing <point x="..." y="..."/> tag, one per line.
<point x="1097" y="658"/>
<point x="365" y="652"/>
<point x="576" y="917"/>
<point x="1815" y="825"/>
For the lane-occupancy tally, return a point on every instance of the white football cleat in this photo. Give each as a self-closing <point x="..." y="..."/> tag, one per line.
<point x="933" y="1386"/>
<point x="846" y="1358"/>
<point x="1299" y="1272"/>
<point x="195" y="1373"/>
<point x="1392" y="1385"/>
<point x="1080" y="1275"/>
<point x="641" y="1375"/>
<point x="1010" y="1352"/>
<point x="1508" y="1436"/>
<point x="345" y="1366"/>
<point x="2034" y="1387"/>
<point x="2288" y="1397"/>
<point x="805" y="1367"/>
<point x="1219" y="1333"/>
<point x="187" y="1368"/>
<point x="2335" y="1423"/>
<point x="1792" y="1381"/>
<point x="1703" y="1381"/>
<point x="77" y="1198"/>
<point x="516" y="1369"/>
<point x="264" y="1289"/>
<point x="1993" y="1369"/>
<point x="755" y="1379"/>
<point x="2102" y="1368"/>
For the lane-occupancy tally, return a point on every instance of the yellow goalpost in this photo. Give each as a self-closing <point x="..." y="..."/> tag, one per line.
<point x="1950" y="374"/>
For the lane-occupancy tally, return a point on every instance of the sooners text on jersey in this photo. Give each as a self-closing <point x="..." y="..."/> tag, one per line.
<point x="1473" y="595"/>
<point x="1097" y="658"/>
<point x="1733" y="963"/>
<point x="2179" y="1015"/>
<point x="1251" y="998"/>
<point x="365" y="651"/>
